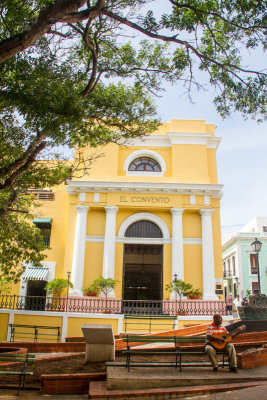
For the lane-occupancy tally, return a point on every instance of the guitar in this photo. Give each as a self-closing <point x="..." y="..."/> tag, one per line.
<point x="227" y="338"/>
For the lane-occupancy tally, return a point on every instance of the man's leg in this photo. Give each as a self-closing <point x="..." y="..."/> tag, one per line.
<point x="212" y="356"/>
<point x="230" y="349"/>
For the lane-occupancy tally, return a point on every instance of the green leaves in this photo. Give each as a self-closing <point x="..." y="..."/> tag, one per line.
<point x="56" y="286"/>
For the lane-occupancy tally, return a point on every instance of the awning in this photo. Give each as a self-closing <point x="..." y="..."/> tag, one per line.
<point x="35" y="274"/>
<point x="42" y="221"/>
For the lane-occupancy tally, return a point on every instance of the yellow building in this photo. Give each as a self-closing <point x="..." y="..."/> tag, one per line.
<point x="148" y="209"/>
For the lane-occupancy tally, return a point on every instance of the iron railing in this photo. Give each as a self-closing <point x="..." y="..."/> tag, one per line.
<point x="115" y="306"/>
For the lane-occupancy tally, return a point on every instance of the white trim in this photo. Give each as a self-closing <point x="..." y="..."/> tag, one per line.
<point x="214" y="190"/>
<point x="10" y="321"/>
<point x="134" y="240"/>
<point x="192" y="240"/>
<point x="192" y="199"/>
<point x="143" y="216"/>
<point x="94" y="238"/>
<point x="197" y="138"/>
<point x="64" y="328"/>
<point x="144" y="153"/>
<point x="100" y="239"/>
<point x="82" y="196"/>
<point x="207" y="200"/>
<point x="96" y="197"/>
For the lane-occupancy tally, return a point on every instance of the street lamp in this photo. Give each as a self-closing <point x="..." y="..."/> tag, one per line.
<point x="256" y="246"/>
<point x="68" y="274"/>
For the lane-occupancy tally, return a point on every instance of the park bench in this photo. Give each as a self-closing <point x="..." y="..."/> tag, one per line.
<point x="35" y="332"/>
<point x="23" y="360"/>
<point x="150" y="322"/>
<point x="177" y="352"/>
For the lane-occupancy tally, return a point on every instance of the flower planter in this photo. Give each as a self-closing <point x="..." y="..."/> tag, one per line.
<point x="90" y="294"/>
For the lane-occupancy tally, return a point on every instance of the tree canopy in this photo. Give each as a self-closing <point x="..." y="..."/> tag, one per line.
<point x="77" y="73"/>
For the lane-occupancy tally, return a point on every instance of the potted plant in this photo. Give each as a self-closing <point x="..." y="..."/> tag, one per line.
<point x="91" y="290"/>
<point x="56" y="286"/>
<point x="194" y="294"/>
<point x="105" y="286"/>
<point x="180" y="288"/>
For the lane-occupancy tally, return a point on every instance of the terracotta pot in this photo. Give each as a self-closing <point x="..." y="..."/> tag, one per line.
<point x="91" y="294"/>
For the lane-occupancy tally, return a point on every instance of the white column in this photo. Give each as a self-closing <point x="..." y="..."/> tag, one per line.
<point x="207" y="256"/>
<point x="79" y="251"/>
<point x="177" y="245"/>
<point x="109" y="244"/>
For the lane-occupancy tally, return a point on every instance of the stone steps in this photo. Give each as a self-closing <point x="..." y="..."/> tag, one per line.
<point x="98" y="390"/>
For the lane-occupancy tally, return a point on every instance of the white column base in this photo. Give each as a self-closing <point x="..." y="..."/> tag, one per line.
<point x="173" y="296"/>
<point x="110" y="294"/>
<point x="75" y="292"/>
<point x="210" y="296"/>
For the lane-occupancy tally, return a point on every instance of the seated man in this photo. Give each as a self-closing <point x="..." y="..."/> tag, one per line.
<point x="215" y="334"/>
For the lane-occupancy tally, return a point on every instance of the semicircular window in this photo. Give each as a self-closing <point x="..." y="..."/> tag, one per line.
<point x="145" y="164"/>
<point x="143" y="229"/>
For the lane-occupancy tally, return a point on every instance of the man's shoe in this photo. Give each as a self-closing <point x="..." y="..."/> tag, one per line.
<point x="234" y="369"/>
<point x="215" y="369"/>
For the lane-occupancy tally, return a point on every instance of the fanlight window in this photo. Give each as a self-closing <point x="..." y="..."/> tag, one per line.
<point x="145" y="164"/>
<point x="144" y="229"/>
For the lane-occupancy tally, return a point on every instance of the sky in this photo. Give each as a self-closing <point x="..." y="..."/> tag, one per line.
<point x="241" y="156"/>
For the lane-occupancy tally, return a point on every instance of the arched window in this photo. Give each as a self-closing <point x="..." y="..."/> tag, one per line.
<point x="143" y="229"/>
<point x="145" y="164"/>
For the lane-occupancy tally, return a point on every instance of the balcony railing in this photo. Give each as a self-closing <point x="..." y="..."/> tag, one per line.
<point x="115" y="306"/>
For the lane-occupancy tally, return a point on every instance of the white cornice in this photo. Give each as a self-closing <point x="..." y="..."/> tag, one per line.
<point x="76" y="187"/>
<point x="206" y="139"/>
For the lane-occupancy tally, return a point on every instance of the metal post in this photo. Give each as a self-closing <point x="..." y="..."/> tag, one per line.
<point x="258" y="269"/>
<point x="175" y="280"/>
<point x="68" y="274"/>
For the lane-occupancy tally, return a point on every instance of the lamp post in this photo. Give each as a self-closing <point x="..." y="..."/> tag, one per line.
<point x="256" y="246"/>
<point x="68" y="275"/>
<point x="175" y="280"/>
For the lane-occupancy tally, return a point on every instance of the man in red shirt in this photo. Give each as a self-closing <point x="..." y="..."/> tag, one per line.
<point x="214" y="333"/>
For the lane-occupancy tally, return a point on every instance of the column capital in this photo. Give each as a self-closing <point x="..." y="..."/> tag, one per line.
<point x="177" y="211"/>
<point x="206" y="211"/>
<point x="82" y="208"/>
<point x="111" y="209"/>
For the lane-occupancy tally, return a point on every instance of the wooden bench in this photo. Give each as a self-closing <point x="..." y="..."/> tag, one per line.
<point x="34" y="331"/>
<point x="23" y="360"/>
<point x="150" y="321"/>
<point x="177" y="352"/>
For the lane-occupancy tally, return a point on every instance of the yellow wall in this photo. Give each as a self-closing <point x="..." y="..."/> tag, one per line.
<point x="74" y="327"/>
<point x="185" y="163"/>
<point x="4" y="326"/>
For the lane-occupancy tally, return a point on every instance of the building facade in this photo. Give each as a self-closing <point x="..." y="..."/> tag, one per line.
<point x="148" y="210"/>
<point x="244" y="269"/>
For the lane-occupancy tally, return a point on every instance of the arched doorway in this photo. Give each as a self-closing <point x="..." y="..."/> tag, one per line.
<point x="143" y="267"/>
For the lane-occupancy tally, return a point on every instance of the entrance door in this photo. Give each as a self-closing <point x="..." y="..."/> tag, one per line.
<point x="142" y="277"/>
<point x="36" y="295"/>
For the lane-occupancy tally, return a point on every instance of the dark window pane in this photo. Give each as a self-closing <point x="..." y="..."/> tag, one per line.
<point x="145" y="164"/>
<point x="143" y="229"/>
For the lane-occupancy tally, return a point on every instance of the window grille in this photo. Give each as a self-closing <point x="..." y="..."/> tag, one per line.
<point x="43" y="195"/>
<point x="144" y="229"/>
<point x="253" y="263"/>
<point x="146" y="164"/>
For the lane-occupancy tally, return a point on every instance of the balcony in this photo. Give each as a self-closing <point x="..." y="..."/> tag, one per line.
<point x="114" y="306"/>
